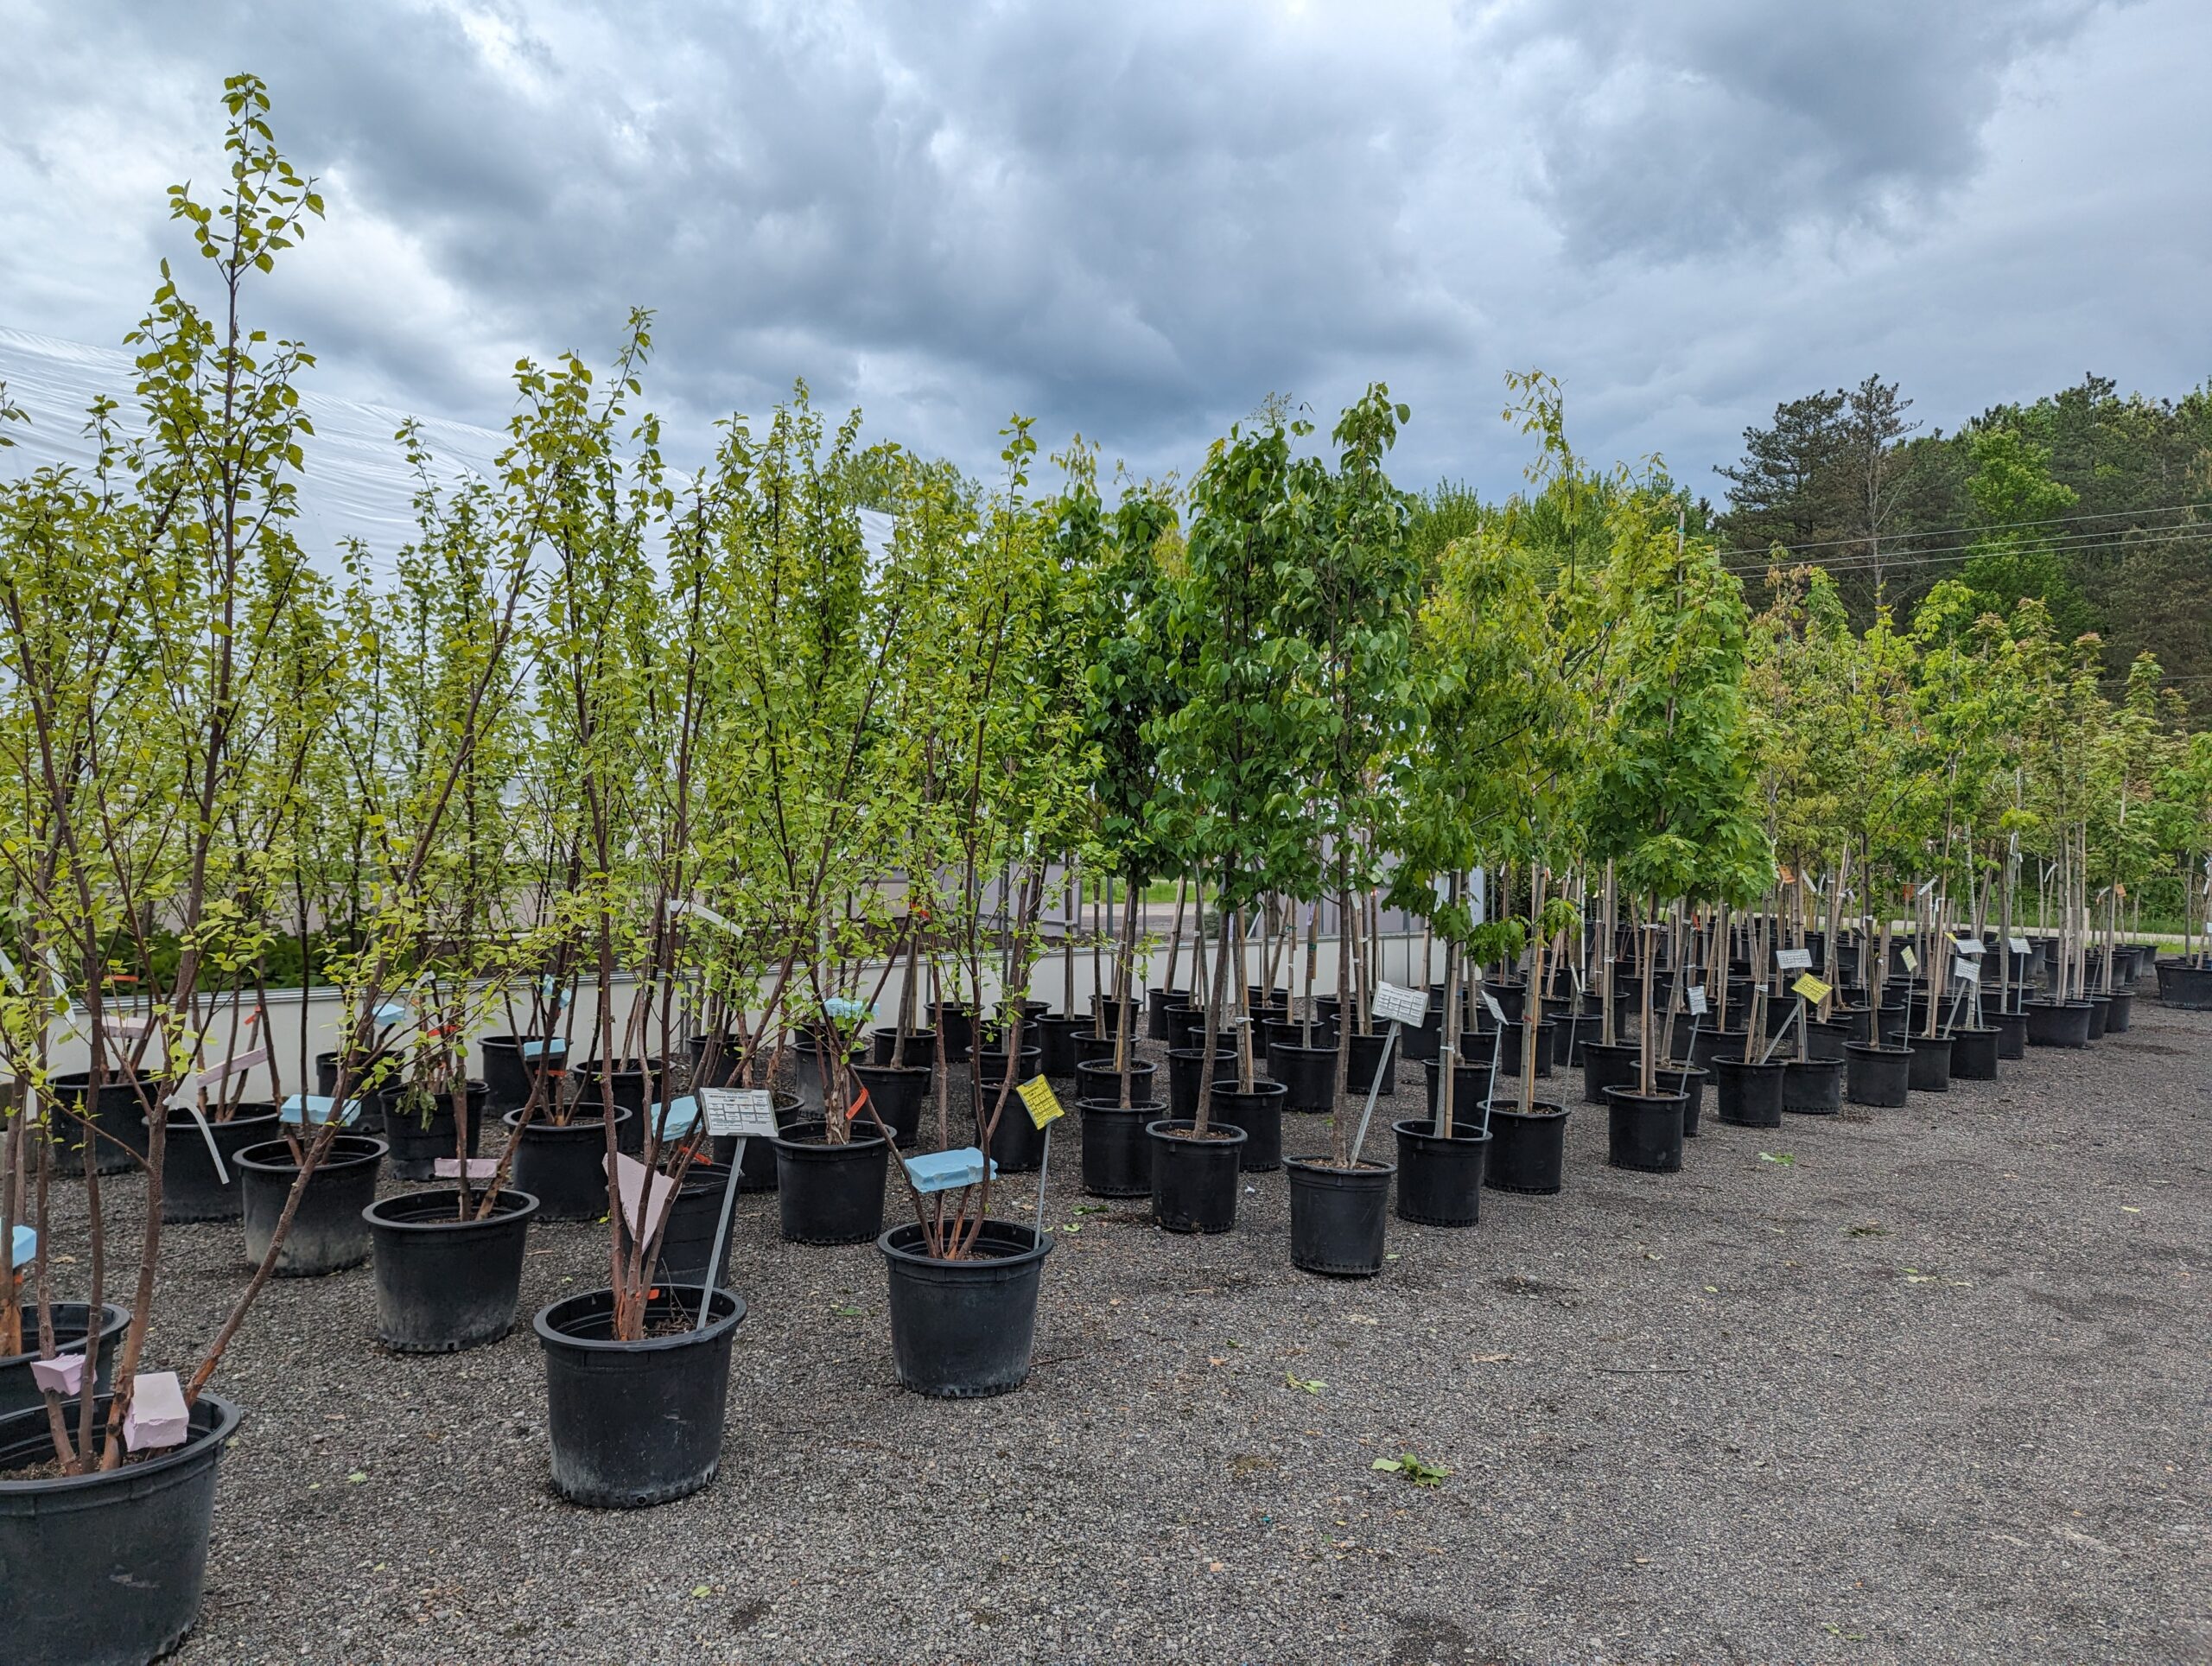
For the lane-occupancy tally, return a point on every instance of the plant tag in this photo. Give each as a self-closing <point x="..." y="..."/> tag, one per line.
<point x="640" y="1186"/>
<point x="1911" y="960"/>
<point x="555" y="1045"/>
<point x="948" y="1171"/>
<point x="1812" y="989"/>
<point x="1042" y="1103"/>
<point x="749" y="1113"/>
<point x="1973" y="948"/>
<point x="1966" y="972"/>
<point x="392" y="1013"/>
<point x="157" y="1417"/>
<point x="480" y="1169"/>
<point x="1575" y="972"/>
<point x="680" y="905"/>
<point x="1490" y="1000"/>
<point x="678" y="1120"/>
<point x="22" y="1246"/>
<point x="317" y="1108"/>
<point x="1926" y="886"/>
<point x="1792" y="960"/>
<point x="232" y="1066"/>
<point x="63" y="1374"/>
<point x="1398" y="1006"/>
<point x="2020" y="945"/>
<point x="1695" y="995"/>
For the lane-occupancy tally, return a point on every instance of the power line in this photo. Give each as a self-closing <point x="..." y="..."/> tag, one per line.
<point x="2076" y="544"/>
<point x="1947" y="531"/>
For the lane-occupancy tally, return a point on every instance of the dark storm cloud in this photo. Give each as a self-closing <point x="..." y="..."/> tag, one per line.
<point x="1135" y="220"/>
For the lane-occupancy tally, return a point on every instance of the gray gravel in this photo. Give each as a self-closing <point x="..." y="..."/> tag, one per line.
<point x="1933" y="1390"/>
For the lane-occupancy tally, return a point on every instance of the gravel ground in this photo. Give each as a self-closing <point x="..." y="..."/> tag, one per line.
<point x="1933" y="1386"/>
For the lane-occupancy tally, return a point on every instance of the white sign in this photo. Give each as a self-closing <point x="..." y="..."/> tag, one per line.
<point x="1793" y="960"/>
<point x="1397" y="1006"/>
<point x="1491" y="1001"/>
<point x="1697" y="1000"/>
<point x="2020" y="945"/>
<point x="1966" y="972"/>
<point x="749" y="1112"/>
<point x="1973" y="948"/>
<point x="680" y="905"/>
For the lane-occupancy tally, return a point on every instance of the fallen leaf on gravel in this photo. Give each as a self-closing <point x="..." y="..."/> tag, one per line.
<point x="1784" y="1157"/>
<point x="1311" y="1384"/>
<point x="1360" y="1319"/>
<point x="2129" y="1209"/>
<point x="704" y="1591"/>
<point x="358" y="1477"/>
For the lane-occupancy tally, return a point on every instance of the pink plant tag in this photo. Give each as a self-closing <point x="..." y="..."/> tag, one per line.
<point x="232" y="1066"/>
<point x="157" y="1417"/>
<point x="63" y="1374"/>
<point x="480" y="1169"/>
<point x="631" y="1179"/>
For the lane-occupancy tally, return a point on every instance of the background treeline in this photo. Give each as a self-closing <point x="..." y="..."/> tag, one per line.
<point x="2096" y="503"/>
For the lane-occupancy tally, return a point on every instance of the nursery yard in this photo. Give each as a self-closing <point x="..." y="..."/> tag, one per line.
<point x="1917" y="1385"/>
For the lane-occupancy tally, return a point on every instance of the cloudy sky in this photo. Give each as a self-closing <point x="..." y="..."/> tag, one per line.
<point x="1137" y="219"/>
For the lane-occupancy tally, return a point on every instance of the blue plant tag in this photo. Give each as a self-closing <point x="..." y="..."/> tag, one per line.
<point x="23" y="1247"/>
<point x="391" y="1012"/>
<point x="317" y="1108"/>
<point x="683" y="1117"/>
<point x="947" y="1171"/>
<point x="553" y="1045"/>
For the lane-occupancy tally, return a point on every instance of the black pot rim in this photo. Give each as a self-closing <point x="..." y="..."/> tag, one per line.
<point x="1819" y="1064"/>
<point x="1261" y="1088"/>
<point x="179" y="1117"/>
<point x="1424" y="1128"/>
<point x="1178" y="1129"/>
<point x="542" y="1124"/>
<point x="1623" y="1096"/>
<point x="1148" y="1108"/>
<point x="132" y="1476"/>
<point x="549" y="1333"/>
<point x="525" y="1207"/>
<point x="1544" y="1110"/>
<point x="1868" y="1050"/>
<point x="894" y="1070"/>
<point x="1371" y="1170"/>
<point x="806" y="1149"/>
<point x="1040" y="1246"/>
<point x="1756" y="1064"/>
<point x="116" y="1319"/>
<point x="333" y="1159"/>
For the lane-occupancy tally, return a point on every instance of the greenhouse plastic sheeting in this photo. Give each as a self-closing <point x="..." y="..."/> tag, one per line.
<point x="357" y="483"/>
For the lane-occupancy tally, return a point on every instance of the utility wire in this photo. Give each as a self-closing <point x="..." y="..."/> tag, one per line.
<point x="2078" y="543"/>
<point x="1947" y="531"/>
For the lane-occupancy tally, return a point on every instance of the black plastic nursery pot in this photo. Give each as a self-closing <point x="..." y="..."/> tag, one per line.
<point x="1156" y="1004"/>
<point x="563" y="1165"/>
<point x="1422" y="1042"/>
<point x="2100" y="1009"/>
<point x="630" y="1080"/>
<point x="1100" y="1080"/>
<point x="1711" y="1045"/>
<point x="508" y="1076"/>
<point x="1688" y="1081"/>
<point x="1339" y="1218"/>
<point x="2011" y="1034"/>
<point x="444" y="1283"/>
<point x="1509" y="1050"/>
<point x="1056" y="1037"/>
<point x="2058" y="1023"/>
<point x="1187" y="1028"/>
<point x="1876" y="1076"/>
<point x="965" y="1329"/>
<point x="1603" y="1067"/>
<point x="1292" y="1032"/>
<point x="1746" y="1094"/>
<point x="1471" y="1085"/>
<point x="897" y="1092"/>
<point x="1974" y="1055"/>
<point x="1091" y="1048"/>
<point x="1259" y="1112"/>
<point x="687" y="1244"/>
<point x="1016" y="1144"/>
<point x="1571" y="1033"/>
<point x="1528" y="1149"/>
<point x="1440" y="1176"/>
<point x="1184" y="1065"/>
<point x="1194" y="1181"/>
<point x="1827" y="1038"/>
<point x="1367" y="1065"/>
<point x="1308" y="1076"/>
<point x="19" y="1389"/>
<point x="2120" y="1012"/>
<point x="917" y="1051"/>
<point x="989" y="1062"/>
<point x="2185" y="986"/>
<point x="756" y="1163"/>
<point x="418" y="1140"/>
<point x="832" y="1193"/>
<point x="191" y="1189"/>
<point x="328" y="1232"/>
<point x="106" y="1570"/>
<point x="958" y="1024"/>
<point x="1644" y="1130"/>
<point x="118" y="1118"/>
<point x="1813" y="1087"/>
<point x="1116" y="1154"/>
<point x="635" y="1423"/>
<point x="1930" y="1070"/>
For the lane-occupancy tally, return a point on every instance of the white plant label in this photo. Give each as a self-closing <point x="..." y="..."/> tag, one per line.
<point x="699" y="911"/>
<point x="1497" y="1012"/>
<point x="2020" y="945"/>
<point x="748" y="1112"/>
<point x="1793" y="960"/>
<point x="1966" y="972"/>
<point x="1697" y="1000"/>
<point x="1397" y="1006"/>
<point x="1973" y="948"/>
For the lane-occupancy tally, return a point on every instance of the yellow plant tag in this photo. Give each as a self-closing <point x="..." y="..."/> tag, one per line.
<point x="1911" y="960"/>
<point x="1812" y="989"/>
<point x="1044" y="1105"/>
